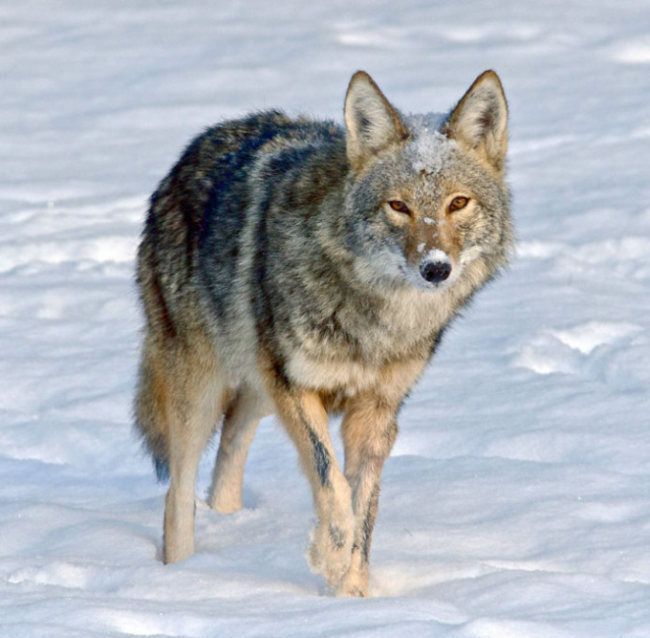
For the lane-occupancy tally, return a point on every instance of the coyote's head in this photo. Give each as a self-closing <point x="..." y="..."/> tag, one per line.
<point x="426" y="203"/>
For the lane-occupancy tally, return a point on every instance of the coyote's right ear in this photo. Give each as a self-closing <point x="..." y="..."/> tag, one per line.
<point x="371" y="121"/>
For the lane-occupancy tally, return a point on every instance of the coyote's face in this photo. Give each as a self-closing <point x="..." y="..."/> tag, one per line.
<point x="427" y="202"/>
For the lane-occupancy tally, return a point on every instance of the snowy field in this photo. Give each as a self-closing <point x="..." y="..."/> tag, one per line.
<point x="516" y="503"/>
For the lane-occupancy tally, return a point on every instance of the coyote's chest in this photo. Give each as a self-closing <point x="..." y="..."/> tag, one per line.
<point x="330" y="375"/>
<point x="405" y="329"/>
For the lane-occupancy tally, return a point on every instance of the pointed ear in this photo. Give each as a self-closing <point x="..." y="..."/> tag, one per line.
<point x="480" y="119"/>
<point x="370" y="120"/>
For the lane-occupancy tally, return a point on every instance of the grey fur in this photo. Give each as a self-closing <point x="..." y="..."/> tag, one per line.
<point x="271" y="238"/>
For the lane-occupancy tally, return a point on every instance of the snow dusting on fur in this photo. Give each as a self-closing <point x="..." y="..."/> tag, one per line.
<point x="436" y="254"/>
<point x="428" y="148"/>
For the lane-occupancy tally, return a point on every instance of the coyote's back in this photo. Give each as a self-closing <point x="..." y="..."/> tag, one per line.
<point x="296" y="267"/>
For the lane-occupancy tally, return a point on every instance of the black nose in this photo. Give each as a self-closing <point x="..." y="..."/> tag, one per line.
<point x="435" y="271"/>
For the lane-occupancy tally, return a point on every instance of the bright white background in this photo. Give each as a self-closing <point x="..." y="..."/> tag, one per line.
<point x="517" y="501"/>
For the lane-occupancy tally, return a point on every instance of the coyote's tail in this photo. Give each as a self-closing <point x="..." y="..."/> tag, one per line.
<point x="151" y="419"/>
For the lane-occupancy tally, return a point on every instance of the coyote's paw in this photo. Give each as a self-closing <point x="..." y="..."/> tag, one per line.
<point x="354" y="583"/>
<point x="331" y="551"/>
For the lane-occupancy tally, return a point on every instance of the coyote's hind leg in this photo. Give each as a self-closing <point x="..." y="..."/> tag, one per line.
<point x="239" y="427"/>
<point x="179" y="398"/>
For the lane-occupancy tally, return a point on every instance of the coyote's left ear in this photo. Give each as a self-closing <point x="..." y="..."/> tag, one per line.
<point x="371" y="122"/>
<point x="480" y="119"/>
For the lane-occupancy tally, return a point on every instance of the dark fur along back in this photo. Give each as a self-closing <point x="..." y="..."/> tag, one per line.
<point x="190" y="259"/>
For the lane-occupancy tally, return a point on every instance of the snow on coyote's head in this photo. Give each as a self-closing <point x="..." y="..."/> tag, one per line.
<point x="427" y="202"/>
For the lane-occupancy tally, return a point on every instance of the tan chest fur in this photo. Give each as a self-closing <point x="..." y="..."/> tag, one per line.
<point x="407" y="321"/>
<point x="351" y="376"/>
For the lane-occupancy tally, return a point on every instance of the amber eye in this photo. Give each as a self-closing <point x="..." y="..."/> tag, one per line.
<point x="399" y="206"/>
<point x="458" y="203"/>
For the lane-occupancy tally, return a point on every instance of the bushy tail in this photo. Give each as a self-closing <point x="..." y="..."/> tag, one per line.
<point x="151" y="418"/>
<point x="155" y="446"/>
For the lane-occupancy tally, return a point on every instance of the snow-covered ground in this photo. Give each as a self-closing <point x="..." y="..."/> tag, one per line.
<point x="516" y="503"/>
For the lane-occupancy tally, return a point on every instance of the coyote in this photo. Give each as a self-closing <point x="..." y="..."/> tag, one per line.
<point x="299" y="268"/>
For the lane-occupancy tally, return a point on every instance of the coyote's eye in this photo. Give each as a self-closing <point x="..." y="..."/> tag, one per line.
<point x="458" y="203"/>
<point x="399" y="206"/>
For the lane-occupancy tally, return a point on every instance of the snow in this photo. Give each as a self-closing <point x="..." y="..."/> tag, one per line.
<point x="430" y="148"/>
<point x="436" y="255"/>
<point x="517" y="500"/>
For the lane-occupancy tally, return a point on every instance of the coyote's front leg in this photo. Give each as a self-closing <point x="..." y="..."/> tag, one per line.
<point x="306" y="421"/>
<point x="369" y="430"/>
